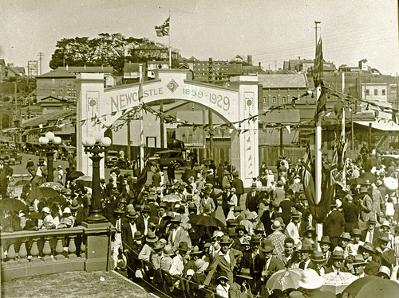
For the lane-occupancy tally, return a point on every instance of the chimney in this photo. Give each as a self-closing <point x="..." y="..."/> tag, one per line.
<point x="260" y="64"/>
<point x="249" y="59"/>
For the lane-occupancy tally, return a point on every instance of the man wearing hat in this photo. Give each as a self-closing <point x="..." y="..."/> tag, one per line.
<point x="253" y="199"/>
<point x="366" y="203"/>
<point x="226" y="260"/>
<point x="370" y="234"/>
<point x="344" y="240"/>
<point x="317" y="262"/>
<point x="310" y="286"/>
<point x="144" y="220"/>
<point x="5" y="173"/>
<point x="59" y="175"/>
<point x="277" y="237"/>
<point x="305" y="252"/>
<point x="242" y="285"/>
<point x="337" y="262"/>
<point x="177" y="233"/>
<point x="180" y="259"/>
<point x="358" y="265"/>
<point x="117" y="236"/>
<point x="325" y="245"/>
<point x="265" y="265"/>
<point x="335" y="223"/>
<point x="291" y="229"/>
<point x="350" y="211"/>
<point x="148" y="247"/>
<point x="353" y="247"/>
<point x="238" y="184"/>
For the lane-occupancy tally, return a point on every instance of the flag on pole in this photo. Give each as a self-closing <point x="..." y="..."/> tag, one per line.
<point x="321" y="103"/>
<point x="163" y="30"/>
<point x="318" y="64"/>
<point x="319" y="211"/>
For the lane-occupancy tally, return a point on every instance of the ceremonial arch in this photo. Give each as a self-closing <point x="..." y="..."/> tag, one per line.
<point x="99" y="108"/>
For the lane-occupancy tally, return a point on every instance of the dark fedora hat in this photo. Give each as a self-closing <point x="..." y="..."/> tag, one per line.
<point x="266" y="246"/>
<point x="225" y="240"/>
<point x="367" y="246"/>
<point x="325" y="239"/>
<point x="245" y="273"/>
<point x="317" y="257"/>
<point x="183" y="246"/>
<point x="337" y="255"/>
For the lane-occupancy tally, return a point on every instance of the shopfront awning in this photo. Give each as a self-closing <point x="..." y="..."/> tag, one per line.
<point x="383" y="125"/>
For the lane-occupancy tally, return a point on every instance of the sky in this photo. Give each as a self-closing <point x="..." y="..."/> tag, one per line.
<point x="270" y="30"/>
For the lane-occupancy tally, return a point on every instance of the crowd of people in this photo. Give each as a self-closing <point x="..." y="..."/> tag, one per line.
<point x="205" y="235"/>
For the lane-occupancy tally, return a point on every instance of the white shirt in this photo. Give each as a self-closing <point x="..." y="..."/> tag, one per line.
<point x="226" y="256"/>
<point x="177" y="265"/>
<point x="223" y="291"/>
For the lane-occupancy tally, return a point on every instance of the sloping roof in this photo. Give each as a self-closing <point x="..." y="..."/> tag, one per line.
<point x="89" y="69"/>
<point x="131" y="67"/>
<point x="380" y="125"/>
<point x="43" y="119"/>
<point x="297" y="80"/>
<point x="58" y="73"/>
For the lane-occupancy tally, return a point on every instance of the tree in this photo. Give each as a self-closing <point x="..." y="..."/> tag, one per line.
<point x="106" y="49"/>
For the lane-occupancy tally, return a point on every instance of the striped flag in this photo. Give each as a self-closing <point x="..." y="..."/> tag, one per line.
<point x="163" y="30"/>
<point x="318" y="64"/>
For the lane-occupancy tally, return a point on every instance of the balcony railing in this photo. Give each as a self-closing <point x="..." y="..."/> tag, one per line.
<point x="29" y="253"/>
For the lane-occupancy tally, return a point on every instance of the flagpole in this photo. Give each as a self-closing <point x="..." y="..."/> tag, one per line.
<point x="343" y="135"/>
<point x="318" y="154"/>
<point x="141" y="102"/>
<point x="170" y="48"/>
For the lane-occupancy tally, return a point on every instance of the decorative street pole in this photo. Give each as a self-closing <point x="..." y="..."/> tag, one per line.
<point x="96" y="146"/>
<point x="50" y="143"/>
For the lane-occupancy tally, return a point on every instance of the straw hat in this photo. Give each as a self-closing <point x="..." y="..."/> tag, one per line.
<point x="151" y="237"/>
<point x="310" y="280"/>
<point x="345" y="236"/>
<point x="168" y="251"/>
<point x="276" y="225"/>
<point x="46" y="210"/>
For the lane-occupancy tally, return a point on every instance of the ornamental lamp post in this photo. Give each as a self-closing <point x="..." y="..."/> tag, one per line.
<point x="96" y="146"/>
<point x="50" y="143"/>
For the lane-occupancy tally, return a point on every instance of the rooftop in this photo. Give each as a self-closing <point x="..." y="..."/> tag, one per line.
<point x="296" y="80"/>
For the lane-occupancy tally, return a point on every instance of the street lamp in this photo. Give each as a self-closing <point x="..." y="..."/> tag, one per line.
<point x="96" y="146"/>
<point x="50" y="142"/>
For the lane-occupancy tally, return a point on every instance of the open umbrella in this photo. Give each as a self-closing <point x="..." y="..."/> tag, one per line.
<point x="285" y="279"/>
<point x="84" y="181"/>
<point x="205" y="220"/>
<point x="372" y="287"/>
<point x="51" y="189"/>
<point x="75" y="174"/>
<point x="12" y="204"/>
<point x="171" y="198"/>
<point x="337" y="282"/>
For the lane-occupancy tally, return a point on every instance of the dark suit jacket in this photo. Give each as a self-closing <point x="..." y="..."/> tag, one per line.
<point x="127" y="236"/>
<point x="140" y="223"/>
<point x="219" y="262"/>
<point x="275" y="265"/>
<point x="375" y="236"/>
<point x="334" y="224"/>
<point x="252" y="201"/>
